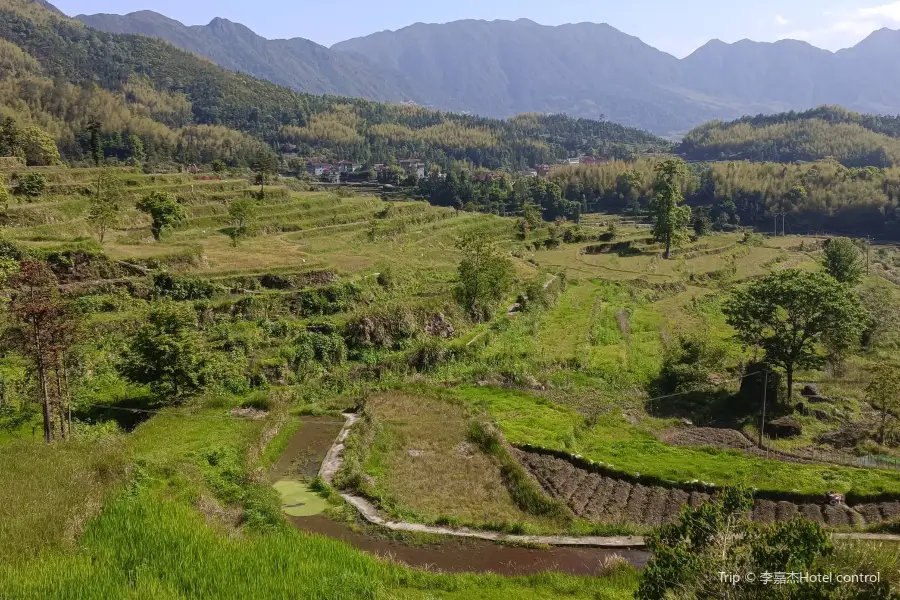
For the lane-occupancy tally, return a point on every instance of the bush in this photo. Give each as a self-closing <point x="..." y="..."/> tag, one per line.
<point x="31" y="184"/>
<point x="167" y="352"/>
<point x="386" y="329"/>
<point x="177" y="288"/>
<point x="327" y="349"/>
<point x="324" y="301"/>
<point x="689" y="364"/>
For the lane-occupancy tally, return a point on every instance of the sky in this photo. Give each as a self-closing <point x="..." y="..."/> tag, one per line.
<point x="675" y="27"/>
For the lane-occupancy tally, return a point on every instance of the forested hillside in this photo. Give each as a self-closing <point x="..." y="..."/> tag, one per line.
<point x="854" y="139"/>
<point x="154" y="101"/>
<point x="815" y="197"/>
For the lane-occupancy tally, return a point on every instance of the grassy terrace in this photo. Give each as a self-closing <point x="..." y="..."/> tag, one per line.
<point x="150" y="530"/>
<point x="631" y="448"/>
<point x="180" y="507"/>
<point x="119" y="514"/>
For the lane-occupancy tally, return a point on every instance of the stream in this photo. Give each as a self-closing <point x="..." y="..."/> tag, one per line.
<point x="301" y="460"/>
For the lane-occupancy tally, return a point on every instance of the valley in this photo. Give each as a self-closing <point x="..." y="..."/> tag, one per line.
<point x="260" y="343"/>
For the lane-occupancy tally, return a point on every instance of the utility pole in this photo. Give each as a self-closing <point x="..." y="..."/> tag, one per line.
<point x="762" y="423"/>
<point x="783" y="217"/>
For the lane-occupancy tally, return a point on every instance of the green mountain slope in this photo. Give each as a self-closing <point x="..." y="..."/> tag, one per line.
<point x="501" y="68"/>
<point x="140" y="86"/>
<point x="855" y="140"/>
<point x="296" y="63"/>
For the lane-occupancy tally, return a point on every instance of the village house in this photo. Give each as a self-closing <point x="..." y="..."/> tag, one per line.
<point x="319" y="169"/>
<point x="413" y="166"/>
<point x="346" y="167"/>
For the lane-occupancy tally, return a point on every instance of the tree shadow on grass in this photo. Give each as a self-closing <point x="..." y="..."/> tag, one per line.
<point x="719" y="408"/>
<point x="127" y="413"/>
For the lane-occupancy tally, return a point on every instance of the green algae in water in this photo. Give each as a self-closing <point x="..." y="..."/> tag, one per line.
<point x="298" y="500"/>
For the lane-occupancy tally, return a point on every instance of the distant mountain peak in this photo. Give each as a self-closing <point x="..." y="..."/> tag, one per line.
<point x="503" y="67"/>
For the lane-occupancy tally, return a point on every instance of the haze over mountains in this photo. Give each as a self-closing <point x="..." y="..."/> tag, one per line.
<point x="502" y="68"/>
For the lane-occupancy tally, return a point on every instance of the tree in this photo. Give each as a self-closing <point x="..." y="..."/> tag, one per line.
<point x="883" y="393"/>
<point x="164" y="209"/>
<point x="167" y="352"/>
<point x="793" y="316"/>
<point x="883" y="313"/>
<point x="10" y="139"/>
<point x="670" y="220"/>
<point x="104" y="209"/>
<point x="265" y="166"/>
<point x="44" y="331"/>
<point x="96" y="144"/>
<point x="4" y="198"/>
<point x="690" y="557"/>
<point x="628" y="188"/>
<point x="38" y="147"/>
<point x="485" y="276"/>
<point x="242" y="212"/>
<point x="219" y="166"/>
<point x="843" y="261"/>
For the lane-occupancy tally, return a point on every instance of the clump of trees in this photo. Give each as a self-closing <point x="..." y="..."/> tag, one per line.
<point x="164" y="210"/>
<point x="843" y="261"/>
<point x="795" y="317"/>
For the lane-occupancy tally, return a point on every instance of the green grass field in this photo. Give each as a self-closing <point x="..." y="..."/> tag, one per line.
<point x="527" y="419"/>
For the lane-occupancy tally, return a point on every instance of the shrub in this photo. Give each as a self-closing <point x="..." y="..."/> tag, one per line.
<point x="390" y="328"/>
<point x="689" y="364"/>
<point x="167" y="352"/>
<point x="177" y="288"/>
<point x="324" y="301"/>
<point x="30" y="184"/>
<point x="327" y="349"/>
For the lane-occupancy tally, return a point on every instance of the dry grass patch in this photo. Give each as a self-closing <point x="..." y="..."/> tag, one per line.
<point x="423" y="463"/>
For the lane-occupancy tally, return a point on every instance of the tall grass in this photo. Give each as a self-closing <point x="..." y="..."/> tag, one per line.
<point x="147" y="548"/>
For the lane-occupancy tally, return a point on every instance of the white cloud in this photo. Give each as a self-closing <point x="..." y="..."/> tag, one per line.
<point x="846" y="28"/>
<point x="890" y="12"/>
<point x="781" y="21"/>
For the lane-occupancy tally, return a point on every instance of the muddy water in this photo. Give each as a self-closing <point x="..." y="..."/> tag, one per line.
<point x="307" y="448"/>
<point x="471" y="556"/>
<point x="304" y="455"/>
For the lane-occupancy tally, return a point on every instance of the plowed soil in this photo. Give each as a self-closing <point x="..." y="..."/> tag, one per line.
<point x="608" y="500"/>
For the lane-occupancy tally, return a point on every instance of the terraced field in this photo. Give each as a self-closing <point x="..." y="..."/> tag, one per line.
<point x="608" y="500"/>
<point x="294" y="230"/>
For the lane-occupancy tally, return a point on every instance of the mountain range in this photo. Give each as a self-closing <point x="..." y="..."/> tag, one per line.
<point x="501" y="68"/>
